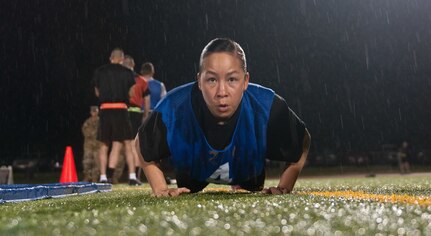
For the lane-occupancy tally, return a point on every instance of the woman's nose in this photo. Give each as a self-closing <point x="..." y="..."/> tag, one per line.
<point x="221" y="90"/>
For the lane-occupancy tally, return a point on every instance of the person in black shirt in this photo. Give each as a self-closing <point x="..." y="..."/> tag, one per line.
<point x="113" y="86"/>
<point x="221" y="128"/>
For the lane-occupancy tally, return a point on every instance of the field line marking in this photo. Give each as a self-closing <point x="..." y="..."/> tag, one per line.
<point x="392" y="198"/>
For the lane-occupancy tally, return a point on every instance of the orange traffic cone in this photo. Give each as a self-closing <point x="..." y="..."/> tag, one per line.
<point x="68" y="173"/>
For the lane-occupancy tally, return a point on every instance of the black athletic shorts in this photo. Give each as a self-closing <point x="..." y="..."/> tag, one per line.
<point x="114" y="125"/>
<point x="135" y="120"/>
<point x="183" y="180"/>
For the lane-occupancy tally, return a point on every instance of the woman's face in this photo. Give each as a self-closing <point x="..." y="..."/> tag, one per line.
<point x="222" y="82"/>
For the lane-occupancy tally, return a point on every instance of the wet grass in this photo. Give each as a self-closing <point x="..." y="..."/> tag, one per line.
<point x="132" y="211"/>
<point x="398" y="184"/>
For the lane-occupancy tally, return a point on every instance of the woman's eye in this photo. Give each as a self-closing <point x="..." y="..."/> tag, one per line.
<point x="211" y="80"/>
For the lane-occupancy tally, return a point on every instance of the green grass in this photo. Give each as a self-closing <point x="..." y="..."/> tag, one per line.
<point x="390" y="184"/>
<point x="132" y="211"/>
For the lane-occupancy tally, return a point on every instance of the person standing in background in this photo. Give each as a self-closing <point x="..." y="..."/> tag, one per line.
<point x="157" y="88"/>
<point x="139" y="103"/>
<point x="113" y="85"/>
<point x="90" y="160"/>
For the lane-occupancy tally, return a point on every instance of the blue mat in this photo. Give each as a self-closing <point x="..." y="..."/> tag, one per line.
<point x="27" y="192"/>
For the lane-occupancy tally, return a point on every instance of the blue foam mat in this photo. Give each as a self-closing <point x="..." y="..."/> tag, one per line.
<point x="27" y="192"/>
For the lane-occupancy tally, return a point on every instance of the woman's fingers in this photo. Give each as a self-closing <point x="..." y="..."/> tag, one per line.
<point x="178" y="191"/>
<point x="171" y="192"/>
<point x="275" y="190"/>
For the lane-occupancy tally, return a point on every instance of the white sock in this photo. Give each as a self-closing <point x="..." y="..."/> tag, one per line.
<point x="132" y="176"/>
<point x="103" y="178"/>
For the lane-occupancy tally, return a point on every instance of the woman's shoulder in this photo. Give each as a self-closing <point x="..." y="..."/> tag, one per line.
<point x="175" y="97"/>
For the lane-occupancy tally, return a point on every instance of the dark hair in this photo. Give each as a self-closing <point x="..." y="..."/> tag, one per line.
<point x="147" y="68"/>
<point x="224" y="45"/>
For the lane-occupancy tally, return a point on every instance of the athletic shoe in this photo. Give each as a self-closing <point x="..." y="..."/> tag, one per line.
<point x="134" y="182"/>
<point x="109" y="181"/>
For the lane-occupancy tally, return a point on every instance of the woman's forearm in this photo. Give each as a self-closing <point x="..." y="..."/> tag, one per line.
<point x="155" y="177"/>
<point x="152" y="172"/>
<point x="290" y="174"/>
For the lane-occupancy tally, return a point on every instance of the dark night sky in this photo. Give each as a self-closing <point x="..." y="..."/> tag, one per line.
<point x="357" y="72"/>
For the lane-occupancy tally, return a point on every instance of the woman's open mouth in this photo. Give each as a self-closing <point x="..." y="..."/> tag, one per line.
<point x="222" y="107"/>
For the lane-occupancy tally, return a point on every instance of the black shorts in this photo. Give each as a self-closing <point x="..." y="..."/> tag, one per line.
<point x="183" y="180"/>
<point x="135" y="120"/>
<point x="114" y="125"/>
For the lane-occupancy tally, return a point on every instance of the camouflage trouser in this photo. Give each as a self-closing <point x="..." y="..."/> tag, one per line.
<point x="91" y="165"/>
<point x="119" y="168"/>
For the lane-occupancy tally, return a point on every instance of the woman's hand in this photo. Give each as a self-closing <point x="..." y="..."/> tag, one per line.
<point x="171" y="192"/>
<point x="276" y="190"/>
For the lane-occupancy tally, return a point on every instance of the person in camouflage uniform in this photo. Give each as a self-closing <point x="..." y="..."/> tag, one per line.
<point x="90" y="161"/>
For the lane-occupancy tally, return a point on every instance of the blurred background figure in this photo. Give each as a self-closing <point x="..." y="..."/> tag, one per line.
<point x="139" y="104"/>
<point x="156" y="87"/>
<point x="113" y="85"/>
<point x="404" y="155"/>
<point x="90" y="160"/>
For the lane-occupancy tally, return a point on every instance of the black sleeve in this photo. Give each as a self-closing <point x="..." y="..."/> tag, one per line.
<point x="152" y="138"/>
<point x="130" y="79"/>
<point x="147" y="92"/>
<point x="285" y="133"/>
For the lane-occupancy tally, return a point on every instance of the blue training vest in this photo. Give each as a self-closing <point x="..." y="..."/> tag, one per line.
<point x="241" y="160"/>
<point x="155" y="87"/>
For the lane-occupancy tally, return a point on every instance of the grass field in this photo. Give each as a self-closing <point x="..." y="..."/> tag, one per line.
<point x="384" y="205"/>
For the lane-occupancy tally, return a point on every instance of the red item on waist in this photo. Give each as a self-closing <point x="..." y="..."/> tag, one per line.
<point x="113" y="105"/>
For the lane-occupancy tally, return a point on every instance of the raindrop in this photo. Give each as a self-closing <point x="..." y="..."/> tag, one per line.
<point x="206" y="21"/>
<point x="366" y="56"/>
<point x="341" y="121"/>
